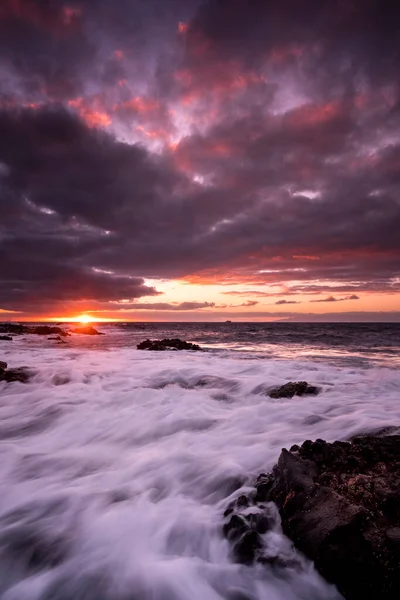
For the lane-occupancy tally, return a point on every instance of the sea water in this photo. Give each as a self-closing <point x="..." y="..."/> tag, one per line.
<point x="117" y="464"/>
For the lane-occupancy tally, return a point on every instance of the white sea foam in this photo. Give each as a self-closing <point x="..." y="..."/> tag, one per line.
<point x="117" y="466"/>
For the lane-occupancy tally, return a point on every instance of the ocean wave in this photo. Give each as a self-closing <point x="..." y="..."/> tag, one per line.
<point x="116" y="468"/>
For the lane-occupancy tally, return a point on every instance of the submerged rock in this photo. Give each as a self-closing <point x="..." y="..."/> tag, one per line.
<point x="244" y="527"/>
<point x="22" y="374"/>
<point x="246" y="523"/>
<point x="5" y="338"/>
<point x="298" y="388"/>
<point x="167" y="344"/>
<point x="87" y="330"/>
<point x="340" y="505"/>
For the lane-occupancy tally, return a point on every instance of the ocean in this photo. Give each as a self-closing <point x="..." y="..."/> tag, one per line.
<point x="117" y="464"/>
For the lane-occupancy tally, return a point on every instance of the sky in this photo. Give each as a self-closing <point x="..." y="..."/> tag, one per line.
<point x="200" y="160"/>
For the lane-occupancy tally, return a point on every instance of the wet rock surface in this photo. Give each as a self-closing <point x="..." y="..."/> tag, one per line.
<point x="21" y="374"/>
<point x="87" y="330"/>
<point x="5" y="338"/>
<point x="340" y="505"/>
<point x="251" y="527"/>
<point x="298" y="388"/>
<point x="18" y="329"/>
<point x="167" y="344"/>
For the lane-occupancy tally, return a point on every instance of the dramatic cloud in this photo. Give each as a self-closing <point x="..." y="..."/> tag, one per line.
<point x="333" y="299"/>
<point x="247" y="303"/>
<point x="227" y="142"/>
<point x="247" y="293"/>
<point x="170" y="306"/>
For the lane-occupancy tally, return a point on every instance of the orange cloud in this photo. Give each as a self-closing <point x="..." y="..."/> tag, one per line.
<point x="13" y="104"/>
<point x="92" y="116"/>
<point x="215" y="80"/>
<point x="154" y="134"/>
<point x="139" y="104"/>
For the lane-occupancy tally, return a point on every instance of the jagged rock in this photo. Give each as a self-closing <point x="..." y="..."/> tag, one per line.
<point x="167" y="344"/>
<point x="22" y="374"/>
<point x="3" y="365"/>
<point x="5" y="338"/>
<point x="288" y="390"/>
<point x="340" y="505"/>
<point x="87" y="330"/>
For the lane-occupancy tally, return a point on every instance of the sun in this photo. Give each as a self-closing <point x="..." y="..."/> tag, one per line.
<point x="85" y="319"/>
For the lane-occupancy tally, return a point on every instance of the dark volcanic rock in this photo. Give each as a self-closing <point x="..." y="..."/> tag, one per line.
<point x="87" y="330"/>
<point x="17" y="329"/>
<point x="340" y="504"/>
<point x="288" y="390"/>
<point x="12" y="328"/>
<point x="22" y="374"/>
<point x="3" y="367"/>
<point x="167" y="344"/>
<point x="244" y="525"/>
<point x="55" y="339"/>
<point x="46" y="330"/>
<point x="5" y="338"/>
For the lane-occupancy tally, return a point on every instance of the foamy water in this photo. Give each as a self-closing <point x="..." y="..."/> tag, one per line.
<point x="117" y="466"/>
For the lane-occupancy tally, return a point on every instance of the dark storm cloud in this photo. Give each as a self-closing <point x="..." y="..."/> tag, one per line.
<point x="53" y="46"/>
<point x="287" y="165"/>
<point x="75" y="197"/>
<point x="62" y="287"/>
<point x="43" y="47"/>
<point x="358" y="37"/>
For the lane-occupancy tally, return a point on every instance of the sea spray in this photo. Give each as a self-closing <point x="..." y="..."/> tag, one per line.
<point x="117" y="466"/>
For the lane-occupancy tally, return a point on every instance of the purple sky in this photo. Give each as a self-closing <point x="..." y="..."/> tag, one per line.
<point x="200" y="160"/>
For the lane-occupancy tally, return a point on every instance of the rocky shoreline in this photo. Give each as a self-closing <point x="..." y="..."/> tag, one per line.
<point x="20" y="329"/>
<point x="340" y="505"/>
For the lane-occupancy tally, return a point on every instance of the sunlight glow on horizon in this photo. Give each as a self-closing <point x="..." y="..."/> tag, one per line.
<point x="85" y="319"/>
